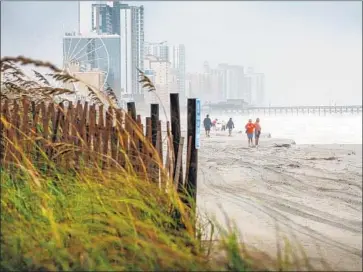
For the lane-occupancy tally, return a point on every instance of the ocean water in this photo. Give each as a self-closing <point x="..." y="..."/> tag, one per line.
<point x="307" y="129"/>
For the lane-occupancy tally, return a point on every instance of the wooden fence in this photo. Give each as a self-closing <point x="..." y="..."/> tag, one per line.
<point x="80" y="135"/>
<point x="76" y="136"/>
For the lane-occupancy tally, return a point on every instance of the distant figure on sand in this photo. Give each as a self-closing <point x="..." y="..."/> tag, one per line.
<point x="223" y="125"/>
<point x="257" y="131"/>
<point x="250" y="127"/>
<point x="207" y="125"/>
<point x="214" y="123"/>
<point x="230" y="126"/>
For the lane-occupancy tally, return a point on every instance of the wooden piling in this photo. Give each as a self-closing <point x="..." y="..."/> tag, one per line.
<point x="154" y="113"/>
<point x="176" y="132"/>
<point x="191" y="183"/>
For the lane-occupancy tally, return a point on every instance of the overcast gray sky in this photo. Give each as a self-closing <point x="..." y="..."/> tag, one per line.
<point x="310" y="52"/>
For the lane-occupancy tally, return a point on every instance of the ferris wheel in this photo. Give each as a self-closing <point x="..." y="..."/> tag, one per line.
<point x="85" y="54"/>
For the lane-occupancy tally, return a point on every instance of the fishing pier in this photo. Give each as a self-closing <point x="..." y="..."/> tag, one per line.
<point x="296" y="110"/>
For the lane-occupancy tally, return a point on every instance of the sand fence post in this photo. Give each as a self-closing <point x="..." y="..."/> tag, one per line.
<point x="179" y="165"/>
<point x="131" y="120"/>
<point x="154" y="114"/>
<point x="191" y="182"/>
<point x="176" y="132"/>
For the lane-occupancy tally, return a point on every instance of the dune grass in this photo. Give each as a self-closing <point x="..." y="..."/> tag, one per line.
<point x="91" y="219"/>
<point x="90" y="222"/>
<point x="88" y="218"/>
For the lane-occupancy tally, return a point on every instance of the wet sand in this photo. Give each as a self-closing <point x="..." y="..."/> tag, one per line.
<point x="312" y="192"/>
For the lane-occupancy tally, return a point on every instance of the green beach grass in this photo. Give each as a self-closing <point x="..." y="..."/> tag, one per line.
<point x="90" y="219"/>
<point x="56" y="218"/>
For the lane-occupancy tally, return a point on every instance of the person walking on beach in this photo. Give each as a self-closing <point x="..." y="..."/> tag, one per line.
<point x="230" y="126"/>
<point x="257" y="131"/>
<point x="207" y="125"/>
<point x="214" y="123"/>
<point x="250" y="127"/>
<point x="223" y="125"/>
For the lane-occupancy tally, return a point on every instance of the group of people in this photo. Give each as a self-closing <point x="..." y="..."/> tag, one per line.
<point x="253" y="130"/>
<point x="208" y="124"/>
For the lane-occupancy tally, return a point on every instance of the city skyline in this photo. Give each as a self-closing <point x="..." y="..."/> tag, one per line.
<point x="306" y="50"/>
<point x="165" y="63"/>
<point x="227" y="82"/>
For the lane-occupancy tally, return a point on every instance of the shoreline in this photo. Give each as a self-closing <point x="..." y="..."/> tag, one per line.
<point x="313" y="193"/>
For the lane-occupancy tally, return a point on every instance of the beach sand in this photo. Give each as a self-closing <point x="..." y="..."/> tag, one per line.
<point x="313" y="193"/>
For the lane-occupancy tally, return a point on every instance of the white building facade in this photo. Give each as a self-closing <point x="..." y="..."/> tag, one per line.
<point x="159" y="72"/>
<point x="257" y="82"/>
<point x="175" y="54"/>
<point x="132" y="49"/>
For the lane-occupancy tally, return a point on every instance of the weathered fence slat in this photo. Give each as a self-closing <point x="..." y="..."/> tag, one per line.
<point x="148" y="146"/>
<point x="56" y="124"/>
<point x="120" y="138"/>
<point x="154" y="113"/>
<point x="25" y="130"/>
<point x="191" y="182"/>
<point x="66" y="124"/>
<point x="36" y="132"/>
<point x="15" y="120"/>
<point x="58" y="114"/>
<point x="178" y="163"/>
<point x="51" y="123"/>
<point x="77" y="133"/>
<point x="83" y="124"/>
<point x="91" y="131"/>
<point x="133" y="138"/>
<point x="159" y="142"/>
<point x="4" y="157"/>
<point x="45" y="126"/>
<point x="176" y="130"/>
<point x="106" y="136"/>
<point x="15" y="133"/>
<point x="171" y="155"/>
<point x="68" y="133"/>
<point x="51" y="114"/>
<point x="100" y="127"/>
<point x="189" y="150"/>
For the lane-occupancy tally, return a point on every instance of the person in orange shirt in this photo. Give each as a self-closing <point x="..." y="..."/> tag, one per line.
<point x="250" y="127"/>
<point x="257" y="131"/>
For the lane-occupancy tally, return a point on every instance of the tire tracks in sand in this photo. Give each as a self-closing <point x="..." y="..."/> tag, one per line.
<point x="285" y="189"/>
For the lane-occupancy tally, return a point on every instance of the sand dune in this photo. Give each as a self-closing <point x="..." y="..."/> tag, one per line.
<point x="314" y="193"/>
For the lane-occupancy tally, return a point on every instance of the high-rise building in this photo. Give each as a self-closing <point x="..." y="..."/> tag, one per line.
<point x="226" y="82"/>
<point x="196" y="85"/>
<point x="257" y="85"/>
<point x="132" y="48"/>
<point x="158" y="71"/>
<point x="94" y="52"/>
<point x="232" y="81"/>
<point x="177" y="60"/>
<point x="159" y="50"/>
<point x="188" y="86"/>
<point x="175" y="54"/>
<point x="234" y="84"/>
<point x="128" y="22"/>
<point x="102" y="19"/>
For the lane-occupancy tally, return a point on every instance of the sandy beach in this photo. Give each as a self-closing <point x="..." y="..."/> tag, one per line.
<point x="312" y="192"/>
